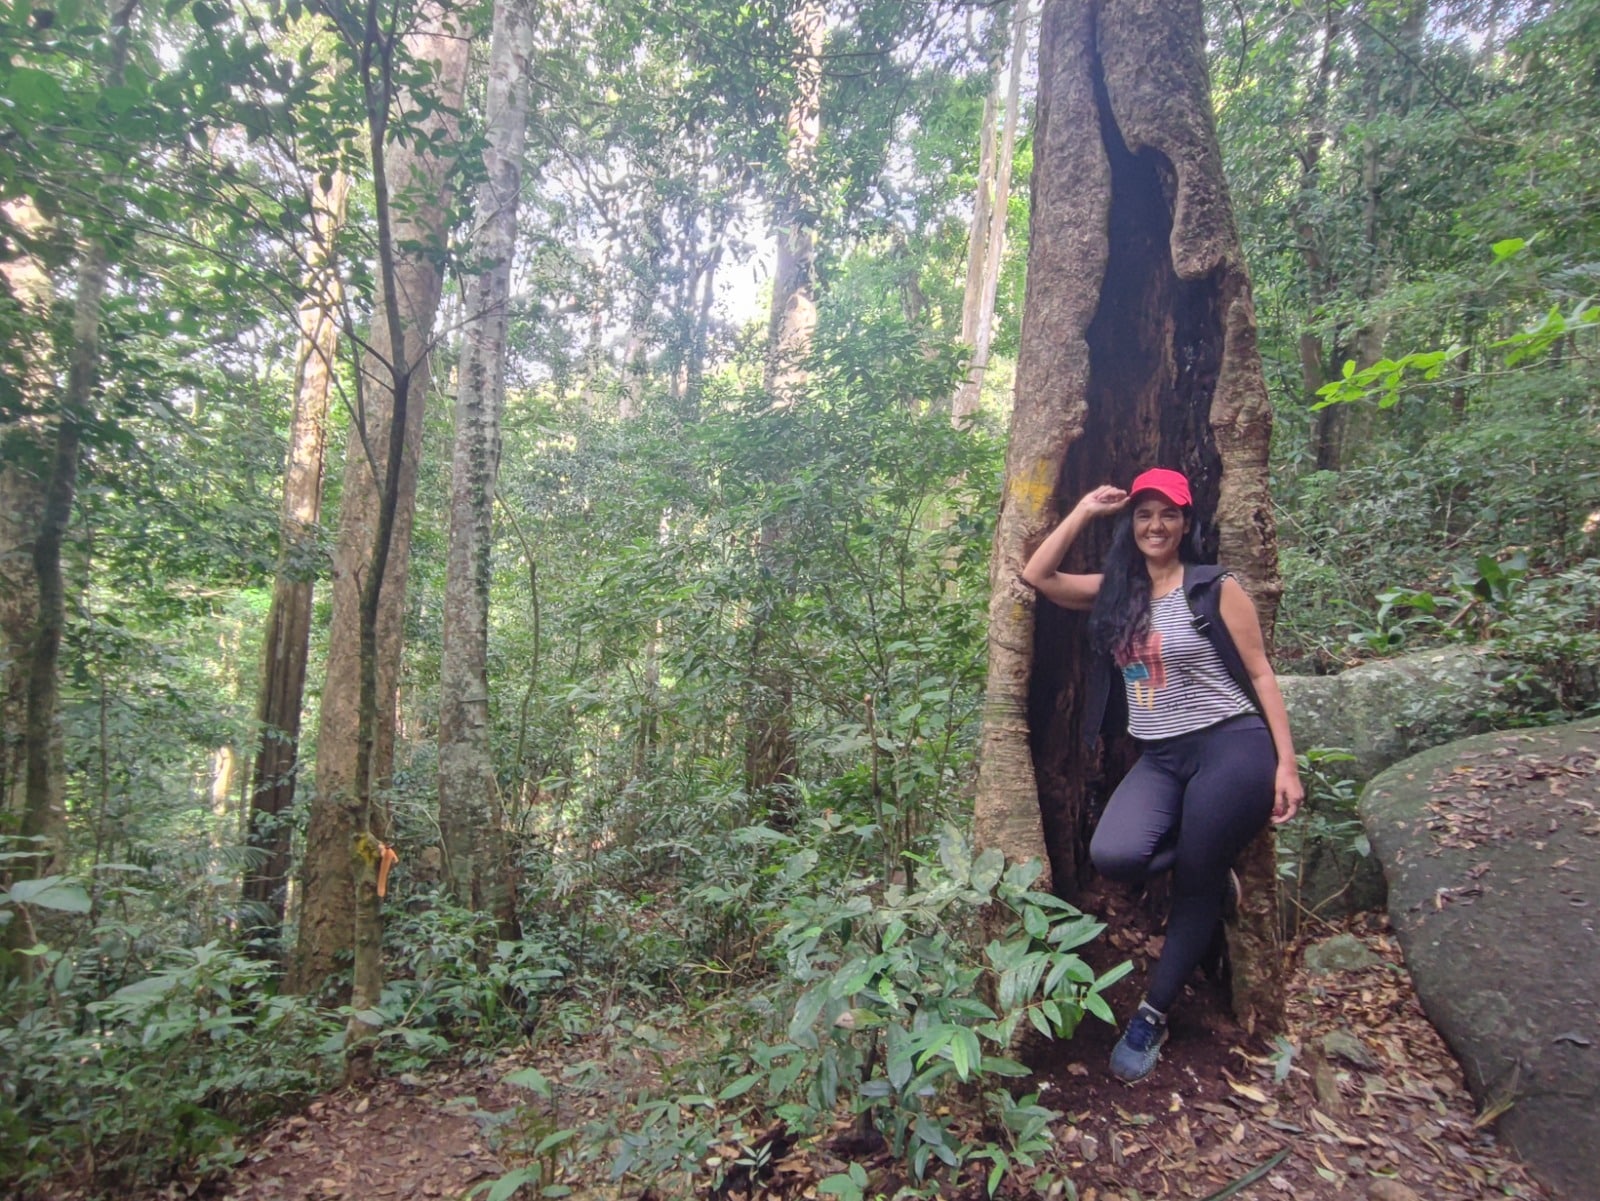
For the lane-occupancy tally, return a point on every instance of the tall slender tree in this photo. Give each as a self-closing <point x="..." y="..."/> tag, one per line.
<point x="286" y="644"/>
<point x="43" y="824"/>
<point x="471" y="817"/>
<point x="770" y="756"/>
<point x="355" y="736"/>
<point x="24" y="303"/>
<point x="977" y="312"/>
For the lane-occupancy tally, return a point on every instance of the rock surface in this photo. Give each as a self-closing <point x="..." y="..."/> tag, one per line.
<point x="1383" y="711"/>
<point x="1341" y="953"/>
<point x="1491" y="848"/>
<point x="1380" y="713"/>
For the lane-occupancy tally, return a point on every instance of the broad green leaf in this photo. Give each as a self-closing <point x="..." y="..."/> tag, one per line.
<point x="50" y="892"/>
<point x="532" y="1079"/>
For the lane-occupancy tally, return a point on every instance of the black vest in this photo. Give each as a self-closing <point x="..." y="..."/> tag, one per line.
<point x="1105" y="708"/>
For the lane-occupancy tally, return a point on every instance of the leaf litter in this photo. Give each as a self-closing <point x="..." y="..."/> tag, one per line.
<point x="1358" y="1098"/>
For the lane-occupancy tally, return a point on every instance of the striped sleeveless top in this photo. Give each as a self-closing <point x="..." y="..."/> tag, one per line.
<point x="1175" y="681"/>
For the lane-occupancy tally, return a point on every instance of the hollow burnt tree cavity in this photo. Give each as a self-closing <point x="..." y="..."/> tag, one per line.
<point x="1138" y="349"/>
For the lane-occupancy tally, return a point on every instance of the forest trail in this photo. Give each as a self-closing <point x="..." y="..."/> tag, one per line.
<point x="1370" y="1104"/>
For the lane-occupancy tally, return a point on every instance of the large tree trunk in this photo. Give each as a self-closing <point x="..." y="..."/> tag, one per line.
<point x="288" y="634"/>
<point x="471" y="817"/>
<point x="1138" y="348"/>
<point x="408" y="300"/>
<point x="981" y="333"/>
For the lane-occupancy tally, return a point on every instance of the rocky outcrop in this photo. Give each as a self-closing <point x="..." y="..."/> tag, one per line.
<point x="1378" y="713"/>
<point x="1383" y="711"/>
<point x="1491" y="849"/>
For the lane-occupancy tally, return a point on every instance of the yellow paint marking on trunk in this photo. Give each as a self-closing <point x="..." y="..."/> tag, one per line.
<point x="1035" y="487"/>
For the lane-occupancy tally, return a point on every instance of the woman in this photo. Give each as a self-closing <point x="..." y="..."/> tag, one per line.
<point x="1217" y="759"/>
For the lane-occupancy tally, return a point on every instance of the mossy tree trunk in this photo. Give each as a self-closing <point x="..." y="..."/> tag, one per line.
<point x="1138" y="348"/>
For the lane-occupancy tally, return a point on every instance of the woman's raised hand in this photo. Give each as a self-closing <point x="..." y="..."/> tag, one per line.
<point x="1103" y="500"/>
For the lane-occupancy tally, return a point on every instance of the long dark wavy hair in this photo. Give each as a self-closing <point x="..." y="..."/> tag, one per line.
<point x="1120" y="618"/>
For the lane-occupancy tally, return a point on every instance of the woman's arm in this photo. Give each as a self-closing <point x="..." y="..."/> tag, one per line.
<point x="1239" y="615"/>
<point x="1069" y="590"/>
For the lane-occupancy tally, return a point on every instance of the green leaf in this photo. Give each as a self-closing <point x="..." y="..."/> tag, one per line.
<point x="30" y="88"/>
<point x="738" y="1088"/>
<point x="806" y="1013"/>
<point x="532" y="1079"/>
<point x="1001" y="1066"/>
<point x="1112" y="976"/>
<point x="553" y="1140"/>
<point x="50" y="892"/>
<point x="502" y="1189"/>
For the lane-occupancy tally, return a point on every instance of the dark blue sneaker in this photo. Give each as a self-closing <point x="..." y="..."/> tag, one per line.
<point x="1140" y="1046"/>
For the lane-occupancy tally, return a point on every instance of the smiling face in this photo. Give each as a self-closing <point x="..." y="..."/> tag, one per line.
<point x="1158" y="528"/>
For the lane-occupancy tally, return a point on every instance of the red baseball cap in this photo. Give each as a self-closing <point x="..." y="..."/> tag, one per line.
<point x="1171" y="484"/>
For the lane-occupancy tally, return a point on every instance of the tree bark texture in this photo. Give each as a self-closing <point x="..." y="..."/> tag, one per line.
<point x="421" y="210"/>
<point x="24" y="457"/>
<point x="1138" y="349"/>
<point x="471" y="817"/>
<point x="981" y="335"/>
<point x="286" y="642"/>
<point x="793" y="321"/>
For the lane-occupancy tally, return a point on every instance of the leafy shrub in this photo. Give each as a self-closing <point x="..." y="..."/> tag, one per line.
<point x="159" y="1077"/>
<point x="898" y="1002"/>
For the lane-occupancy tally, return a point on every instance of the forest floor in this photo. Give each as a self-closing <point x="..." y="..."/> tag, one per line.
<point x="1359" y="1099"/>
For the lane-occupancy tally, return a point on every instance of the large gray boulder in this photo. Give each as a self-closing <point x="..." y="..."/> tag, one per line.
<point x="1379" y="712"/>
<point x="1491" y="848"/>
<point x="1383" y="711"/>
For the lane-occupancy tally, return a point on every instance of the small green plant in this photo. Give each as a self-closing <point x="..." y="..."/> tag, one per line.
<point x="898" y="1004"/>
<point x="1327" y="824"/>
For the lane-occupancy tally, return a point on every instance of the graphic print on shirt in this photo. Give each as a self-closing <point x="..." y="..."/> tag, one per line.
<point x="1145" y="671"/>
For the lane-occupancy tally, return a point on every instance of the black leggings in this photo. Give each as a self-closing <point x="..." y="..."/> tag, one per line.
<point x="1191" y="804"/>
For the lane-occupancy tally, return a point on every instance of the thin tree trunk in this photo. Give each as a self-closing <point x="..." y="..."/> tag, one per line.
<point x="1138" y="348"/>
<point x="355" y="745"/>
<point x="24" y="449"/>
<point x="43" y="825"/>
<point x="288" y="630"/>
<point x="471" y="816"/>
<point x="982" y="334"/>
<point x="793" y="321"/>
<point x="982" y="203"/>
<point x="770" y="753"/>
<point x="1342" y="429"/>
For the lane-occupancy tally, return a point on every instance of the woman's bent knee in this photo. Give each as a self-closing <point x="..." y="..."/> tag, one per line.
<point x="1118" y="863"/>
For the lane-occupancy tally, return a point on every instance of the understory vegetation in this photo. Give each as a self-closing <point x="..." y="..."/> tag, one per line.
<point x="676" y="553"/>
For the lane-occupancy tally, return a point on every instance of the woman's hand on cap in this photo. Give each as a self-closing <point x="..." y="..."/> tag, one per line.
<point x="1105" y="499"/>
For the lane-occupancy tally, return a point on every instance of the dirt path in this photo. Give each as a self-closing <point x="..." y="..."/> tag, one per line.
<point x="404" y="1138"/>
<point x="1379" y="1111"/>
